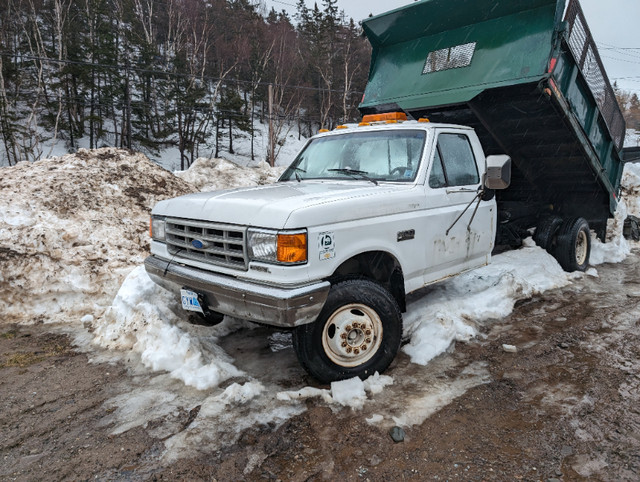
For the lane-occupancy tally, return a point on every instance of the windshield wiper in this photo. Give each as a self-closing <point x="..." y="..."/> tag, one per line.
<point x="296" y="170"/>
<point x="354" y="173"/>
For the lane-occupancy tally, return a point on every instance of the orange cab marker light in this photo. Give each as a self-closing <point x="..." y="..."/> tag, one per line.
<point x="292" y="248"/>
<point x="363" y="124"/>
<point x="151" y="227"/>
<point x="323" y="130"/>
<point x="342" y="127"/>
<point x="389" y="116"/>
<point x="423" y="119"/>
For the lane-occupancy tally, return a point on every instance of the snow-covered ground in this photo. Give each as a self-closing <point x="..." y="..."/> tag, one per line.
<point x="73" y="234"/>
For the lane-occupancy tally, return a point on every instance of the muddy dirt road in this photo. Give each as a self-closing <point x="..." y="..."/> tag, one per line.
<point x="565" y="406"/>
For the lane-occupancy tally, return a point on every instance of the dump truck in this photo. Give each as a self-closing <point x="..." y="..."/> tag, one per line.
<point x="482" y="123"/>
<point x="527" y="76"/>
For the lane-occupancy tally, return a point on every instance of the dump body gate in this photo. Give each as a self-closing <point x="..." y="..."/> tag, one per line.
<point x="529" y="82"/>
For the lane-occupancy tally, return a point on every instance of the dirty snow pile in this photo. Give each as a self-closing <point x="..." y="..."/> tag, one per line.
<point x="631" y="188"/>
<point x="144" y="319"/>
<point x="72" y="228"/>
<point x="215" y="174"/>
<point x="617" y="247"/>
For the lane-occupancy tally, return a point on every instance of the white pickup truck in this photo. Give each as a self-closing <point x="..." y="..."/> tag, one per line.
<point x="364" y="215"/>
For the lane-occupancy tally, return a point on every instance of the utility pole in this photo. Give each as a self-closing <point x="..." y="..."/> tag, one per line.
<point x="272" y="160"/>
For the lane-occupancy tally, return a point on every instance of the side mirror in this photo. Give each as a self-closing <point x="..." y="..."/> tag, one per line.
<point x="498" y="172"/>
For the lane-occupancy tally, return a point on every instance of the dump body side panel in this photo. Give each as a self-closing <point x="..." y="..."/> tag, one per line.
<point x="443" y="66"/>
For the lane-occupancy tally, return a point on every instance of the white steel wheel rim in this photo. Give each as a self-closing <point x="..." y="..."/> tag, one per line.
<point x="352" y="335"/>
<point x="581" y="248"/>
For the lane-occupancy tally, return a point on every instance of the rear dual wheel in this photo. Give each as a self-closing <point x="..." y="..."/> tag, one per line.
<point x="573" y="244"/>
<point x="569" y="241"/>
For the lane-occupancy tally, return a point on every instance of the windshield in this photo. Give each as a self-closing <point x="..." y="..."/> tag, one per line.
<point x="392" y="155"/>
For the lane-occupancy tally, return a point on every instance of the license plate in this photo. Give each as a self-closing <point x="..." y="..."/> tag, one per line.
<point x="190" y="301"/>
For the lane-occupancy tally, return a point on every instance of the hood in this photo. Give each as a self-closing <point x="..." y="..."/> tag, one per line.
<point x="286" y="205"/>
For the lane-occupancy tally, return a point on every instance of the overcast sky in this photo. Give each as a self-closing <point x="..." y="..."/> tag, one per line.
<point x="615" y="25"/>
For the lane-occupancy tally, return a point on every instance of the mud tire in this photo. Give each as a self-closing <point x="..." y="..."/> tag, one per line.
<point x="546" y="232"/>
<point x="573" y="245"/>
<point x="365" y="303"/>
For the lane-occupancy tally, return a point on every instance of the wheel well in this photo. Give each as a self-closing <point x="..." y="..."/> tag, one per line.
<point x="377" y="266"/>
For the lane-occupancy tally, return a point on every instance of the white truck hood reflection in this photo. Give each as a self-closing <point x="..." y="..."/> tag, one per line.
<point x="293" y="204"/>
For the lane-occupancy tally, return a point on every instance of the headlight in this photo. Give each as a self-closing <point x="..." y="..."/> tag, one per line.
<point x="263" y="246"/>
<point x="156" y="228"/>
<point x="287" y="247"/>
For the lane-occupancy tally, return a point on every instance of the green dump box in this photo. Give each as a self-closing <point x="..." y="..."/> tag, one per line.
<point x="527" y="76"/>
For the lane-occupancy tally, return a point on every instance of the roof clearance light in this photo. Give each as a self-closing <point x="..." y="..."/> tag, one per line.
<point x="323" y="130"/>
<point x="363" y="124"/>
<point x="341" y="127"/>
<point x="389" y="116"/>
<point x="423" y="119"/>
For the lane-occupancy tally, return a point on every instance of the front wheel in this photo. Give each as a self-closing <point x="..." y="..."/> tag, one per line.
<point x="357" y="333"/>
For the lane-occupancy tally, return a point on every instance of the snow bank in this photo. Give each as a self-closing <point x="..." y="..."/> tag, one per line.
<point x="141" y="320"/>
<point x="617" y="248"/>
<point x="71" y="229"/>
<point x="214" y="174"/>
<point x="453" y="310"/>
<point x="631" y="188"/>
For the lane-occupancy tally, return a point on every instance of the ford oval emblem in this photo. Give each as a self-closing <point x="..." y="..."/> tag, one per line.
<point x="196" y="243"/>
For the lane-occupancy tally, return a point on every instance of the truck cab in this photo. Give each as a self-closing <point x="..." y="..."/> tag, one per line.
<point x="364" y="215"/>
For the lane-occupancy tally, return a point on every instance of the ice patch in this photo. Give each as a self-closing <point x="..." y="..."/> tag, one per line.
<point x="420" y="405"/>
<point x="376" y="383"/>
<point x="349" y="393"/>
<point x="374" y="419"/>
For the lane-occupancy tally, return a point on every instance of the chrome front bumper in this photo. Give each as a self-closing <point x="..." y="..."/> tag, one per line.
<point x="277" y="306"/>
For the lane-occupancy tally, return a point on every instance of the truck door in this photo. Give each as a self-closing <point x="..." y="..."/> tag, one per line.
<point x="452" y="184"/>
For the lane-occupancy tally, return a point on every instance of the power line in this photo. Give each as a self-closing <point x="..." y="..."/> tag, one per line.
<point x="621" y="60"/>
<point x="284" y="3"/>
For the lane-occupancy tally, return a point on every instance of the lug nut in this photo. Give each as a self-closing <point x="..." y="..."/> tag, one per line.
<point x="356" y="351"/>
<point x="348" y="349"/>
<point x="364" y="347"/>
<point x="368" y="332"/>
<point x="343" y="336"/>
<point x="347" y="328"/>
<point x="344" y="344"/>
<point x="368" y="340"/>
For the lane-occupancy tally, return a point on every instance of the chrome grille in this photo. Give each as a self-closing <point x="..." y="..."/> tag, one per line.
<point x="223" y="244"/>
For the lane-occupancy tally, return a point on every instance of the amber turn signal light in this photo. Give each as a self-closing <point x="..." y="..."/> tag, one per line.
<point x="292" y="248"/>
